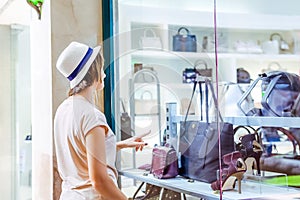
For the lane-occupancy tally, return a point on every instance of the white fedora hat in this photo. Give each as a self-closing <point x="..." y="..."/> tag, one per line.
<point x="75" y="61"/>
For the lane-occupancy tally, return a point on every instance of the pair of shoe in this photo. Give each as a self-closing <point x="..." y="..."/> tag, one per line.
<point x="236" y="167"/>
<point x="250" y="147"/>
<point x="246" y="159"/>
<point x="251" y="151"/>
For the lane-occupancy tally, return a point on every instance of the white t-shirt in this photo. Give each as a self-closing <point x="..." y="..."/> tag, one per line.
<point x="74" y="118"/>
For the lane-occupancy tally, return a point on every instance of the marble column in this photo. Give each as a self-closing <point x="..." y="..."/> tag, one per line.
<point x="61" y="23"/>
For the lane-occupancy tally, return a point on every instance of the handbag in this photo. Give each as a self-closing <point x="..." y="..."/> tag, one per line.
<point x="190" y="74"/>
<point x="199" y="143"/>
<point x="125" y="119"/>
<point x="154" y="192"/>
<point x="185" y="42"/>
<point x="151" y="41"/>
<point x="279" y="91"/>
<point x="146" y="104"/>
<point x="207" y="72"/>
<point x="282" y="163"/>
<point x="164" y="165"/>
<point x="164" y="162"/>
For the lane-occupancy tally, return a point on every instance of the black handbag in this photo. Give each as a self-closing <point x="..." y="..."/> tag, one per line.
<point x="199" y="143"/>
<point x="186" y="42"/>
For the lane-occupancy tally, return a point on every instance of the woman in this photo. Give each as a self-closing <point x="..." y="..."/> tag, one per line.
<point x="85" y="145"/>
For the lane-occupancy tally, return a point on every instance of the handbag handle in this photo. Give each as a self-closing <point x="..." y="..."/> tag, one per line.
<point x="267" y="94"/>
<point x="295" y="141"/>
<point x="149" y="30"/>
<point x="183" y="28"/>
<point x="208" y="82"/>
<point x="146" y="92"/>
<point x="209" y="85"/>
<point x="253" y="131"/>
<point x="200" y="62"/>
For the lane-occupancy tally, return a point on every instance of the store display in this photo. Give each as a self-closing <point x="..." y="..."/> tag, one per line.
<point x="241" y="40"/>
<point x="185" y="42"/>
<point x="150" y="40"/>
<point x="199" y="144"/>
<point x="164" y="162"/>
<point x="234" y="169"/>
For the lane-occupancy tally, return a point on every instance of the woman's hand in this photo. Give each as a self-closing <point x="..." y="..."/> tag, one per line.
<point x="136" y="142"/>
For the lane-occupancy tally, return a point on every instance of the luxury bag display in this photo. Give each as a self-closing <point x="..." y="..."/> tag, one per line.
<point x="164" y="162"/>
<point x="185" y="42"/>
<point x="199" y="143"/>
<point x="279" y="91"/>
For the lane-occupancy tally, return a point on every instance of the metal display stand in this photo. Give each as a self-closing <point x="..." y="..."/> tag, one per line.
<point x="143" y="78"/>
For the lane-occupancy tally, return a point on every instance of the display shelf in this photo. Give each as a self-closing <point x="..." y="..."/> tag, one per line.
<point x="292" y="122"/>
<point x="250" y="189"/>
<point x="166" y="54"/>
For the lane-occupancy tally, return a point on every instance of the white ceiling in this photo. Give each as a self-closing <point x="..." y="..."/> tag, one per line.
<point x="15" y="12"/>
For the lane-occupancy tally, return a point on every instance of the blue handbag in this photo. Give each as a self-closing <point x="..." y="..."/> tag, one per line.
<point x="187" y="42"/>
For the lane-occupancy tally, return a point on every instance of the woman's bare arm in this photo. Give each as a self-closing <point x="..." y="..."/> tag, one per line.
<point x="95" y="143"/>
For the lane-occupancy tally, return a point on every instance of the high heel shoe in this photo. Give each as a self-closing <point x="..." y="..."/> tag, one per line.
<point x="235" y="170"/>
<point x="251" y="149"/>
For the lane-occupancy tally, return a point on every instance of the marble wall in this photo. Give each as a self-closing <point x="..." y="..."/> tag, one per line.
<point x="61" y="23"/>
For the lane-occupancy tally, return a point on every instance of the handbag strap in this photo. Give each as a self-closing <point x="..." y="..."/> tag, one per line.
<point x="208" y="82"/>
<point x="208" y="85"/>
<point x="190" y="103"/>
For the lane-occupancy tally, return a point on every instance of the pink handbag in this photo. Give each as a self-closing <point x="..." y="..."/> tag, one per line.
<point x="164" y="162"/>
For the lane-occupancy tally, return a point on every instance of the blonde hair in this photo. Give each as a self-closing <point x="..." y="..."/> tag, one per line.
<point x="93" y="74"/>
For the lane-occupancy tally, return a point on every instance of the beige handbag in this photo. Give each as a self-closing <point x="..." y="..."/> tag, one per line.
<point x="146" y="104"/>
<point x="150" y="40"/>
